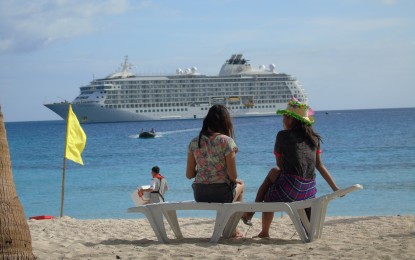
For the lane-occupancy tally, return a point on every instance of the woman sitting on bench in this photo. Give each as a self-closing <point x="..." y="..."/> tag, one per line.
<point x="298" y="154"/>
<point x="211" y="161"/>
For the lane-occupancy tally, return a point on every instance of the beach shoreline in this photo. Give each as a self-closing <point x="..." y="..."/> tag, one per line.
<point x="369" y="237"/>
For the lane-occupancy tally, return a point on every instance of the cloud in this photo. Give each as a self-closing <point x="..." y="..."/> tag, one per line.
<point x="30" y="25"/>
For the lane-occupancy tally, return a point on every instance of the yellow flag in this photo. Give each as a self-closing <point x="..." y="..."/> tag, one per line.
<point x="75" y="138"/>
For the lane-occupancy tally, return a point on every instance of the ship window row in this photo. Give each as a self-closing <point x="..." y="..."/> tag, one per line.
<point x="185" y="109"/>
<point x="161" y="110"/>
<point x="218" y="92"/>
<point x="185" y="98"/>
<point x="195" y="92"/>
<point x="203" y="86"/>
<point x="202" y="80"/>
<point x="166" y="102"/>
<point x="146" y="105"/>
<point x="87" y="92"/>
<point x="136" y="99"/>
<point x="251" y="107"/>
<point x="243" y="107"/>
<point x="200" y="89"/>
<point x="263" y="101"/>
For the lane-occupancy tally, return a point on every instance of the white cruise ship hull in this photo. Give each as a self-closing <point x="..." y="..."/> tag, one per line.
<point x="97" y="114"/>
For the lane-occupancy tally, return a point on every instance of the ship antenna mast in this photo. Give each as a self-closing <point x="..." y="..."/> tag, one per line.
<point x="126" y="67"/>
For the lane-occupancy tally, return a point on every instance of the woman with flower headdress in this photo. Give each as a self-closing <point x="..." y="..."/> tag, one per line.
<point x="298" y="154"/>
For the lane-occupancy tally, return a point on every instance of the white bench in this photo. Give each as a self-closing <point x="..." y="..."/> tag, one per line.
<point x="228" y="215"/>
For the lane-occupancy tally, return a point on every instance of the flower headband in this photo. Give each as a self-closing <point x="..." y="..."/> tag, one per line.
<point x="299" y="111"/>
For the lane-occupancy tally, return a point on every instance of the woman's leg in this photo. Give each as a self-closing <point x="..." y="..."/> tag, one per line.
<point x="239" y="192"/>
<point x="266" y="184"/>
<point x="267" y="218"/>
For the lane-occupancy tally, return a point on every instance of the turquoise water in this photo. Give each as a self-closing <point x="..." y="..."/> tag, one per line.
<point x="375" y="148"/>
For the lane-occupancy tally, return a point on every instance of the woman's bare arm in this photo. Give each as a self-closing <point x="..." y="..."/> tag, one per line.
<point x="325" y="173"/>
<point x="231" y="165"/>
<point x="191" y="166"/>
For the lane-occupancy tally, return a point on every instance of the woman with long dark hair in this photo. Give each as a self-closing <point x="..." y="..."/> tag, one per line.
<point x="211" y="160"/>
<point x="298" y="154"/>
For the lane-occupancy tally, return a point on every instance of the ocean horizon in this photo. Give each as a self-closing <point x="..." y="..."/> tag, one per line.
<point x="372" y="147"/>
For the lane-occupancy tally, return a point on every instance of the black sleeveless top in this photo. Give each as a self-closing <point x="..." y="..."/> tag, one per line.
<point x="298" y="156"/>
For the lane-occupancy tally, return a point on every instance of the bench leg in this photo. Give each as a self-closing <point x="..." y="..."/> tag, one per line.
<point x="318" y="215"/>
<point x="304" y="221"/>
<point x="155" y="217"/>
<point x="171" y="217"/>
<point x="231" y="224"/>
<point x="296" y="219"/>
<point x="221" y="217"/>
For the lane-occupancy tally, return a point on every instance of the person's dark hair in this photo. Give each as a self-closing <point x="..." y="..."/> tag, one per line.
<point x="313" y="138"/>
<point x="155" y="169"/>
<point x="217" y="120"/>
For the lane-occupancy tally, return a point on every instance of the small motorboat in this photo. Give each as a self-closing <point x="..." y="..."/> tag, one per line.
<point x="147" y="134"/>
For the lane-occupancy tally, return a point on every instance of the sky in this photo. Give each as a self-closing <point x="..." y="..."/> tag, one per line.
<point x="347" y="54"/>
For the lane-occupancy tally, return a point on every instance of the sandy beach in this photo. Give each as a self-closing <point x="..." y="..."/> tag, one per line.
<point x="391" y="237"/>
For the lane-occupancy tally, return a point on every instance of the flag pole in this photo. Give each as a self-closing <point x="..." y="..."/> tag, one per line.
<point x="63" y="185"/>
<point x="64" y="162"/>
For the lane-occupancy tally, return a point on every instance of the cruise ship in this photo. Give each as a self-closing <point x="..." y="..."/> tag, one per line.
<point x="186" y="94"/>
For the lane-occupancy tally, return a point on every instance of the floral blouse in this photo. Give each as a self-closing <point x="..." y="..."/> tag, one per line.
<point x="210" y="158"/>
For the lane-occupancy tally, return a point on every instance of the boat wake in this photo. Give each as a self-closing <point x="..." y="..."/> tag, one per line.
<point x="163" y="133"/>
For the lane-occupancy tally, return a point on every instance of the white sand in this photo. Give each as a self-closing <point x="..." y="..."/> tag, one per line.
<point x="343" y="237"/>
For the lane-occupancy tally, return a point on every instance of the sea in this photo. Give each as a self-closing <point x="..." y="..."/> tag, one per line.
<point x="374" y="148"/>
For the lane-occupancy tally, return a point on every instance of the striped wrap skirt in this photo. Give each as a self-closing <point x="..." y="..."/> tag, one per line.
<point x="289" y="188"/>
